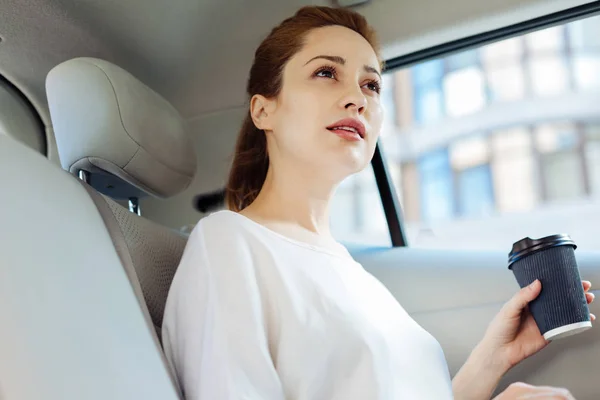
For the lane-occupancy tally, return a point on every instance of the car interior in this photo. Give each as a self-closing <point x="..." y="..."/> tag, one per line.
<point x="118" y="121"/>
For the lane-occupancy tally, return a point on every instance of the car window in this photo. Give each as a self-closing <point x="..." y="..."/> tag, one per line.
<point x="490" y="145"/>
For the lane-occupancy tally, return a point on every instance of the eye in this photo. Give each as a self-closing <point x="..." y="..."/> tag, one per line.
<point x="326" y="72"/>
<point x="374" y="86"/>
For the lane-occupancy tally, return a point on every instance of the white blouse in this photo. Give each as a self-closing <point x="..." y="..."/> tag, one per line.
<point x="254" y="315"/>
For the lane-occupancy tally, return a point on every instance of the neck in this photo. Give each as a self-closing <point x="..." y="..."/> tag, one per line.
<point x="294" y="196"/>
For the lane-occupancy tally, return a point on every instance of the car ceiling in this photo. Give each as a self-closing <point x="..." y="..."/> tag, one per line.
<point x="197" y="53"/>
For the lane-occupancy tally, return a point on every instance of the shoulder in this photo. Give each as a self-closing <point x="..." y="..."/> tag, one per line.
<point x="223" y="235"/>
<point x="218" y="221"/>
<point x="220" y="226"/>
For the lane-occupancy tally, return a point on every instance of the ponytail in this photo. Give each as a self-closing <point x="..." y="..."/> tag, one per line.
<point x="249" y="168"/>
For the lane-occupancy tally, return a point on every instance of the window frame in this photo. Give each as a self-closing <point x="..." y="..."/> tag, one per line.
<point x="389" y="199"/>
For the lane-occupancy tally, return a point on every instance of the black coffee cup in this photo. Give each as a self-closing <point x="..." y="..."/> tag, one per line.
<point x="561" y="308"/>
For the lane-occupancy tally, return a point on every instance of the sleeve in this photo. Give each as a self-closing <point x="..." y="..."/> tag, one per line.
<point x="214" y="335"/>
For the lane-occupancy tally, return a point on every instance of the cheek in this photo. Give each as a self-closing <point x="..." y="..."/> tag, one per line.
<point x="300" y="108"/>
<point x="299" y="116"/>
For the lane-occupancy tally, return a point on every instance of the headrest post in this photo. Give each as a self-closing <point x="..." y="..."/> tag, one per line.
<point x="84" y="176"/>
<point x="134" y="205"/>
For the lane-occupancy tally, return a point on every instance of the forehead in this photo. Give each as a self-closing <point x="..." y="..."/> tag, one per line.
<point x="337" y="41"/>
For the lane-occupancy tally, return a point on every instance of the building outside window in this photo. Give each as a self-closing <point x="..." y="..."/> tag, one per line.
<point x="504" y="135"/>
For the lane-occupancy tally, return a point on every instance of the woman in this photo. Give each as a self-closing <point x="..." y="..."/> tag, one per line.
<point x="266" y="304"/>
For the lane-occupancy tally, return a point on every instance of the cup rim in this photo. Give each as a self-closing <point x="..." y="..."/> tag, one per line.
<point x="528" y="246"/>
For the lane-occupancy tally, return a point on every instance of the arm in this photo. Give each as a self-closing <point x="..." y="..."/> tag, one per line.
<point x="213" y="330"/>
<point x="478" y="377"/>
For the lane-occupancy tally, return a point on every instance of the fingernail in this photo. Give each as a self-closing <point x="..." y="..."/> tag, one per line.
<point x="532" y="285"/>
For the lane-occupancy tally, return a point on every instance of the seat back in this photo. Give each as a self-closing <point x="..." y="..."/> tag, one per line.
<point x="72" y="327"/>
<point x="130" y="142"/>
<point x="150" y="253"/>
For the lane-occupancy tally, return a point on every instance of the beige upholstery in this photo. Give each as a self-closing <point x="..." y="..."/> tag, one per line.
<point x="149" y="252"/>
<point x="71" y="327"/>
<point x="109" y="123"/>
<point x="18" y="120"/>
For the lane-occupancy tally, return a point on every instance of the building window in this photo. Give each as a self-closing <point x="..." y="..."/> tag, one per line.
<point x="586" y="70"/>
<point x="427" y="89"/>
<point x="506" y="83"/>
<point x="549" y="40"/>
<point x="465" y="91"/>
<point x="562" y="172"/>
<point x="503" y="65"/>
<point x="475" y="192"/>
<point x="549" y="75"/>
<point x="503" y="53"/>
<point x="584" y="34"/>
<point x="514" y="170"/>
<point x="437" y="192"/>
<point x="584" y="38"/>
<point x="470" y="160"/>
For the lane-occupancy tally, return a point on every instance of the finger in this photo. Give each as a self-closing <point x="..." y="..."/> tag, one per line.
<point x="590" y="297"/>
<point x="586" y="285"/>
<point x="523" y="297"/>
<point x="592" y="317"/>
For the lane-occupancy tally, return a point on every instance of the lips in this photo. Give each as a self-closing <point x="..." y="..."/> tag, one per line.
<point x="348" y="128"/>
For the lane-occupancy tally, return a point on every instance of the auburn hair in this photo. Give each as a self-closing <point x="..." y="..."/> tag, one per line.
<point x="251" y="159"/>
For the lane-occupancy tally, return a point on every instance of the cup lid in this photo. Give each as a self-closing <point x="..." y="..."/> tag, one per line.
<point x="527" y="246"/>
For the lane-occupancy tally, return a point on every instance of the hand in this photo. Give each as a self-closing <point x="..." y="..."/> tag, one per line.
<point x="524" y="391"/>
<point x="511" y="337"/>
<point x="513" y="334"/>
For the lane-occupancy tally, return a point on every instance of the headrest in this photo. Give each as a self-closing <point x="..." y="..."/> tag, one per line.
<point x="108" y="123"/>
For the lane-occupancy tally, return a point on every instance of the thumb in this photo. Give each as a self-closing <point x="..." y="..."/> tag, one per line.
<point x="524" y="297"/>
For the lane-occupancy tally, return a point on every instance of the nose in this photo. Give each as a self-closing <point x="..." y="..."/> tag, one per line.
<point x="354" y="99"/>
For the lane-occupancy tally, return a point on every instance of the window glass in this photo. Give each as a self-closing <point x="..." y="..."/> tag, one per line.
<point x="506" y="83"/>
<point x="508" y="51"/>
<point x="469" y="152"/>
<point x="560" y="161"/>
<point x="586" y="70"/>
<point x="465" y="91"/>
<point x="435" y="176"/>
<point x="548" y="75"/>
<point x="389" y="104"/>
<point x="592" y="156"/>
<point x="476" y="197"/>
<point x="462" y="60"/>
<point x="513" y="170"/>
<point x="427" y="72"/>
<point x="477" y="154"/>
<point x="356" y="213"/>
<point x="585" y="34"/>
<point x="429" y="104"/>
<point x="547" y="40"/>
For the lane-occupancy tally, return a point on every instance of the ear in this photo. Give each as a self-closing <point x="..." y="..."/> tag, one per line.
<point x="261" y="110"/>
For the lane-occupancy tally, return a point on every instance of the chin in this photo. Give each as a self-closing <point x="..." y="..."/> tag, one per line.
<point x="349" y="165"/>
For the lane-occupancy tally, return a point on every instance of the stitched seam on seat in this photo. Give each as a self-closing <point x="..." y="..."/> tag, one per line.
<point x="126" y="164"/>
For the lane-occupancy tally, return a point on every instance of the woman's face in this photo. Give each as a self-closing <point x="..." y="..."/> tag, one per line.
<point x="328" y="115"/>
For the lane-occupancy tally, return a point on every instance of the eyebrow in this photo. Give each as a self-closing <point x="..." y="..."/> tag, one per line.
<point x="342" y="61"/>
